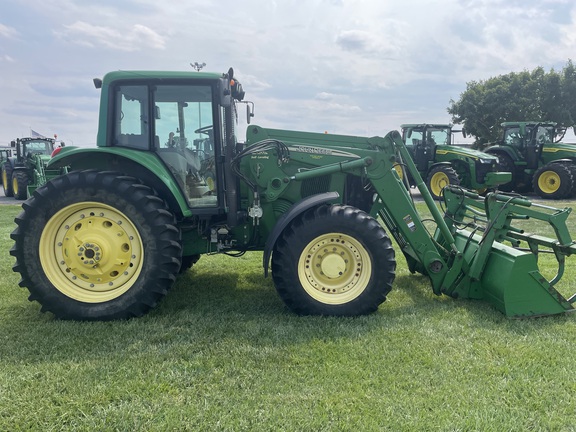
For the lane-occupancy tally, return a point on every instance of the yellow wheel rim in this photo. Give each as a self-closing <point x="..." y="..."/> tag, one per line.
<point x="438" y="182"/>
<point x="4" y="179"/>
<point x="399" y="170"/>
<point x="91" y="252"/>
<point x="549" y="182"/>
<point x="210" y="183"/>
<point x="14" y="186"/>
<point x="334" y="268"/>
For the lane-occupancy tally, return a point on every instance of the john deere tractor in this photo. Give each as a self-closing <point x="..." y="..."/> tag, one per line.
<point x="441" y="163"/>
<point x="26" y="170"/>
<point x="169" y="182"/>
<point x="537" y="163"/>
<point x="5" y="153"/>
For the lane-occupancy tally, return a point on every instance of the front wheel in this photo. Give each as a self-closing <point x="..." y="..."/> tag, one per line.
<point x="553" y="181"/>
<point x="7" y="179"/>
<point x="333" y="260"/>
<point x="96" y="246"/>
<point x="439" y="177"/>
<point x="20" y="185"/>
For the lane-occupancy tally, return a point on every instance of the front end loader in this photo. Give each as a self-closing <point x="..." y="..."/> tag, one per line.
<point x="169" y="182"/>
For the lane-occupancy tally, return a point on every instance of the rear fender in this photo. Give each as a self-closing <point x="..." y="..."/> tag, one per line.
<point x="295" y="210"/>
<point x="145" y="166"/>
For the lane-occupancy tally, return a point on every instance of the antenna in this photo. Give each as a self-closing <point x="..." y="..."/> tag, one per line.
<point x="197" y="66"/>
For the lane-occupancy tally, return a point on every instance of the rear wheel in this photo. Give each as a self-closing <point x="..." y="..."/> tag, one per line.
<point x="506" y="164"/>
<point x="333" y="260"/>
<point x="439" y="177"/>
<point x="553" y="181"/>
<point x="96" y="246"/>
<point x="20" y="185"/>
<point x="7" y="179"/>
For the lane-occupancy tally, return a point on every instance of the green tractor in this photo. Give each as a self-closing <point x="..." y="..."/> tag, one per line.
<point x="169" y="182"/>
<point x="5" y="153"/>
<point x="537" y="163"/>
<point x="25" y="171"/>
<point x="441" y="163"/>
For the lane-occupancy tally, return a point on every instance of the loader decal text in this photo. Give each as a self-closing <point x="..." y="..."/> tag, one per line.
<point x="321" y="151"/>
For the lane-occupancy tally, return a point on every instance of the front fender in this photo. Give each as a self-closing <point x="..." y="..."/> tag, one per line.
<point x="295" y="210"/>
<point x="143" y="165"/>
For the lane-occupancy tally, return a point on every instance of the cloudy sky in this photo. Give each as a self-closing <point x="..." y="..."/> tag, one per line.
<point x="358" y="67"/>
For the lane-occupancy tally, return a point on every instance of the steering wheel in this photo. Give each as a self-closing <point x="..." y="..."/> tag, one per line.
<point x="204" y="129"/>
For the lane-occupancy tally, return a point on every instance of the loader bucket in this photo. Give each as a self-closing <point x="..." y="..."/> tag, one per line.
<point x="512" y="283"/>
<point x="501" y="260"/>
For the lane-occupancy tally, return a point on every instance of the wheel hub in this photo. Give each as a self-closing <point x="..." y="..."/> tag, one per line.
<point x="333" y="265"/>
<point x="89" y="253"/>
<point x="549" y="182"/>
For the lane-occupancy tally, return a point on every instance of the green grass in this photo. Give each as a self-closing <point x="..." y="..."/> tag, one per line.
<point x="222" y="353"/>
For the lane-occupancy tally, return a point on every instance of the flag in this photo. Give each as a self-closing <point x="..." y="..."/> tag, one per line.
<point x="35" y="134"/>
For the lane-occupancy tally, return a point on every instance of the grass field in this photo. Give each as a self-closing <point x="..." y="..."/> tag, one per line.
<point x="222" y="353"/>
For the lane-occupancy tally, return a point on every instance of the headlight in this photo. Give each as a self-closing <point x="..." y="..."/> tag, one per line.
<point x="487" y="161"/>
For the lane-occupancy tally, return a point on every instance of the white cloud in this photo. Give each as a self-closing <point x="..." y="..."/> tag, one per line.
<point x="135" y="38"/>
<point x="8" y="32"/>
<point x="346" y="66"/>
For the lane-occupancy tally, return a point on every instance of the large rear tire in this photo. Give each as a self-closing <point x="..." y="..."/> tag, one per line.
<point x="7" y="179"/>
<point x="439" y="177"/>
<point x="96" y="246"/>
<point x="506" y="164"/>
<point x="333" y="260"/>
<point x="553" y="181"/>
<point x="20" y="185"/>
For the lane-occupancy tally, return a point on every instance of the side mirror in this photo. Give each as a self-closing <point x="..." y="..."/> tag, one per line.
<point x="12" y="143"/>
<point x="249" y="111"/>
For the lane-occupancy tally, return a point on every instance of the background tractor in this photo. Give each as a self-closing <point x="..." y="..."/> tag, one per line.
<point x="169" y="182"/>
<point x="441" y="163"/>
<point x="5" y="153"/>
<point x="537" y="163"/>
<point x="26" y="170"/>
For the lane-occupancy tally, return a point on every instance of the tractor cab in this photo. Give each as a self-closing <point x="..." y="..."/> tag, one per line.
<point x="170" y="129"/>
<point x="529" y="139"/>
<point x="421" y="142"/>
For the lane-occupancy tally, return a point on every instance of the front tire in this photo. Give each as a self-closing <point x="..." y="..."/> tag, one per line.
<point x="20" y="185"/>
<point x="333" y="260"/>
<point x="7" y="179"/>
<point x="96" y="246"/>
<point x="553" y="181"/>
<point x="439" y="177"/>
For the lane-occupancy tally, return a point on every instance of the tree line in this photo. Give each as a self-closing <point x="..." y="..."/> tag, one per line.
<point x="534" y="95"/>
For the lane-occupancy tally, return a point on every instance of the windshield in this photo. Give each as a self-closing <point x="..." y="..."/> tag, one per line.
<point x="38" y="147"/>
<point x="433" y="136"/>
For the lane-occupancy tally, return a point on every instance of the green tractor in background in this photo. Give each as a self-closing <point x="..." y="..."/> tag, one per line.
<point x="24" y="172"/>
<point x="5" y="153"/>
<point x="441" y="163"/>
<point x="537" y="163"/>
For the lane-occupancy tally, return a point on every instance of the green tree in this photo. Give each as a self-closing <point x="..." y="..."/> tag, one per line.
<point x="518" y="96"/>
